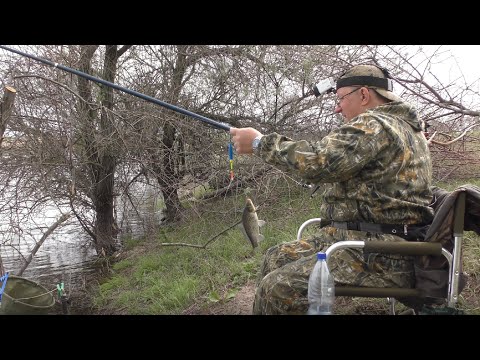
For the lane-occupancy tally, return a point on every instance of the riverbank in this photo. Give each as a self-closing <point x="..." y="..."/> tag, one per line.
<point x="155" y="277"/>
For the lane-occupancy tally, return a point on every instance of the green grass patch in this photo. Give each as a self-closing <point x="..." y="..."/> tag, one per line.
<point x="453" y="184"/>
<point x="130" y="242"/>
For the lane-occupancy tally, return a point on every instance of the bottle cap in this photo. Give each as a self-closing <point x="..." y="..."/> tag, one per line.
<point x="321" y="256"/>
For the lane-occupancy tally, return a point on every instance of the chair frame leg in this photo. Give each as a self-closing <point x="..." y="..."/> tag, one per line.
<point x="392" y="302"/>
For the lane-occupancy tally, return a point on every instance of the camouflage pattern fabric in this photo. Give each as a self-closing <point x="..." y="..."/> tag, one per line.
<point x="283" y="280"/>
<point x="377" y="166"/>
<point x="377" y="169"/>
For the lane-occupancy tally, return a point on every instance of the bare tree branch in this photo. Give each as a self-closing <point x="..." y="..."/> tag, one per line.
<point x="47" y="233"/>
<point x="123" y="49"/>
<point x="94" y="105"/>
<point x="431" y="141"/>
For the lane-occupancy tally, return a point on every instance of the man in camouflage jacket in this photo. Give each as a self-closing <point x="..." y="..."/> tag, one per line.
<point x="376" y="168"/>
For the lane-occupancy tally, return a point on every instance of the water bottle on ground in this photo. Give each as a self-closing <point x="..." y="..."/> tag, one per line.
<point x="321" y="288"/>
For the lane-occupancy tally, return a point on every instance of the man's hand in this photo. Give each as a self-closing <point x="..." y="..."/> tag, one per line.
<point x="242" y="139"/>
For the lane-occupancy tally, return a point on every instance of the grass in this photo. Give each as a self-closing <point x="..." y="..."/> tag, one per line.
<point x="453" y="184"/>
<point x="159" y="279"/>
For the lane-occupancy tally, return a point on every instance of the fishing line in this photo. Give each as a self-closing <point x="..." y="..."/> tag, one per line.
<point x="230" y="157"/>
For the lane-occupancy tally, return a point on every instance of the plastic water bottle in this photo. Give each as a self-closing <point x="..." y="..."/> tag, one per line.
<point x="321" y="288"/>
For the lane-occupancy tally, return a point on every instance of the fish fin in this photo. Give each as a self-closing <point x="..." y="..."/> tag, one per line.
<point x="261" y="223"/>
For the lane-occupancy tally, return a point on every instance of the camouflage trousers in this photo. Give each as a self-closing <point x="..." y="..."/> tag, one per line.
<point x="283" y="280"/>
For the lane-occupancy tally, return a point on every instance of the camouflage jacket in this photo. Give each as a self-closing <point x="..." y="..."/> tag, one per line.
<point x="376" y="168"/>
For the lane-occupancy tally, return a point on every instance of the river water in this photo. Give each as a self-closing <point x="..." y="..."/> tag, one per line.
<point x="67" y="255"/>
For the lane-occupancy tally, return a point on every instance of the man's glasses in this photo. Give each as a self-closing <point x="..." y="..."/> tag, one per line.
<point x="342" y="97"/>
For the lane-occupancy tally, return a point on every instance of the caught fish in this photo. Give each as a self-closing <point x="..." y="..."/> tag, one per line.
<point x="250" y="225"/>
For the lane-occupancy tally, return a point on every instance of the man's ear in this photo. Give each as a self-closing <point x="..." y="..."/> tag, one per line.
<point x="365" y="94"/>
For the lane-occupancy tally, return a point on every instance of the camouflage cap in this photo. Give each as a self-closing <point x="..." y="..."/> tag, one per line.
<point x="370" y="76"/>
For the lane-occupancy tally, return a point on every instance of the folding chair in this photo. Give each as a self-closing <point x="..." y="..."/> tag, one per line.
<point x="438" y="262"/>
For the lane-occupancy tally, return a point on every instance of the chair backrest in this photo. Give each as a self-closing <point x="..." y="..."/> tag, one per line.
<point x="455" y="212"/>
<point x="441" y="277"/>
<point x="444" y="204"/>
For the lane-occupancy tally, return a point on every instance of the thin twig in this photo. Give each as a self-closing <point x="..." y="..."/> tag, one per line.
<point x="49" y="231"/>
<point x="208" y="242"/>
<point x="451" y="141"/>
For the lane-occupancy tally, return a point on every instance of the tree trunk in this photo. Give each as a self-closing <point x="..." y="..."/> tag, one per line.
<point x="169" y="179"/>
<point x="98" y="133"/>
<point x="106" y="165"/>
<point x="6" y="108"/>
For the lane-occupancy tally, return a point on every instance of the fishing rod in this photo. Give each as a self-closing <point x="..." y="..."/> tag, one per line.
<point x="217" y="124"/>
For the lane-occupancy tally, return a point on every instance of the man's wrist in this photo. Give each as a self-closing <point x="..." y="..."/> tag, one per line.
<point x="256" y="143"/>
